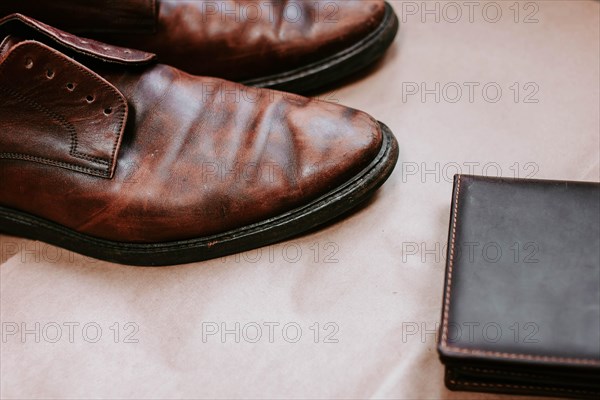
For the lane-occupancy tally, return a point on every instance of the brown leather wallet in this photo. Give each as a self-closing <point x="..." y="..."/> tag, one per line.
<point x="521" y="310"/>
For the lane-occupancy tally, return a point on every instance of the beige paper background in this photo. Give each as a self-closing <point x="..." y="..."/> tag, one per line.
<point x="375" y="288"/>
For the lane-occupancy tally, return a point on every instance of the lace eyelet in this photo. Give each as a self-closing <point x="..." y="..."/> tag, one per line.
<point x="90" y="98"/>
<point x="28" y="63"/>
<point x="108" y="111"/>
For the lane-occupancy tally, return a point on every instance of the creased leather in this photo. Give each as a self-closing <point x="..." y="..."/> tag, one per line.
<point x="198" y="155"/>
<point x="236" y="39"/>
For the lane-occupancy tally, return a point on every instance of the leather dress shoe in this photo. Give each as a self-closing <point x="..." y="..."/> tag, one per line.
<point x="109" y="154"/>
<point x="294" y="45"/>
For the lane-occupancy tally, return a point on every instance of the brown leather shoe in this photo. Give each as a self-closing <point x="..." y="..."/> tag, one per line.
<point x="295" y="45"/>
<point x="105" y="152"/>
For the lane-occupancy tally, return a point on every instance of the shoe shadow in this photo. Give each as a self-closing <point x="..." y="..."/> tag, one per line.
<point x="389" y="58"/>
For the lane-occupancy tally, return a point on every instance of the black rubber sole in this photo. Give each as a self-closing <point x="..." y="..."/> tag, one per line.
<point x="303" y="219"/>
<point x="337" y="67"/>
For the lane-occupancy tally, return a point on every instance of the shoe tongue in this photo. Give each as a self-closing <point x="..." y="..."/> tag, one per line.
<point x="8" y="43"/>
